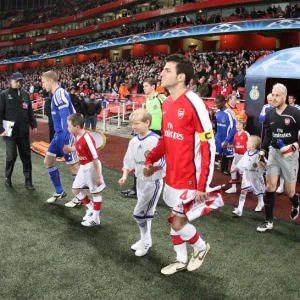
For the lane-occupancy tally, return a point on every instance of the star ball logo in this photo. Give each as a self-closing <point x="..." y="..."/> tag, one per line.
<point x="254" y="93"/>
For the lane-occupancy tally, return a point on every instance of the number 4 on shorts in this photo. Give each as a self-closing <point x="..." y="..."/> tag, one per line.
<point x="183" y="196"/>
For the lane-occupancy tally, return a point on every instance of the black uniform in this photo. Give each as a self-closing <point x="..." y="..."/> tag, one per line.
<point x="15" y="105"/>
<point x="284" y="126"/>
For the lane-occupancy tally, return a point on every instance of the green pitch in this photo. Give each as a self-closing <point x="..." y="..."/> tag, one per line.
<point x="47" y="254"/>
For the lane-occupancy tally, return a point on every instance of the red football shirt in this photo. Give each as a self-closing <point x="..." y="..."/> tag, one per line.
<point x="240" y="142"/>
<point x="187" y="142"/>
<point x="86" y="148"/>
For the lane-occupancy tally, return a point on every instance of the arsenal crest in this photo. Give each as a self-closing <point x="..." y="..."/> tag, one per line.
<point x="287" y="121"/>
<point x="180" y="113"/>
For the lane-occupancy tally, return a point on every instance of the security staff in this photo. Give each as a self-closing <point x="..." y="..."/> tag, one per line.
<point x="15" y="106"/>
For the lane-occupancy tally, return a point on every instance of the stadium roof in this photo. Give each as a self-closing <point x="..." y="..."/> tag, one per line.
<point x="280" y="64"/>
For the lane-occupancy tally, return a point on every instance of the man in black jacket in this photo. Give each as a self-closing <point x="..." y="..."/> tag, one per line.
<point x="92" y="108"/>
<point x="15" y="106"/>
<point x="77" y="102"/>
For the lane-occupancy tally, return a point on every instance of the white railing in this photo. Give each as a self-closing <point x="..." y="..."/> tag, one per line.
<point x="121" y="113"/>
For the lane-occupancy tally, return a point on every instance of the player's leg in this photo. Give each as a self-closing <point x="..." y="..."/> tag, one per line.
<point x="188" y="233"/>
<point x="90" y="180"/>
<point x="54" y="176"/>
<point x="183" y="232"/>
<point x="238" y="211"/>
<point x="148" y="196"/>
<point x="71" y="160"/>
<point x="179" y="244"/>
<point x="233" y="175"/>
<point x="80" y="196"/>
<point x="259" y="190"/>
<point x="269" y="201"/>
<point x="92" y="217"/>
<point x="272" y="175"/>
<point x="290" y="168"/>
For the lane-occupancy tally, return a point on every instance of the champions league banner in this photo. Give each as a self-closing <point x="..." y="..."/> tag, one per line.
<point x="201" y="30"/>
<point x="255" y="100"/>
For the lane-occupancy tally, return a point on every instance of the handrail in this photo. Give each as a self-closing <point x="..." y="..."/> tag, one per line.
<point x="119" y="114"/>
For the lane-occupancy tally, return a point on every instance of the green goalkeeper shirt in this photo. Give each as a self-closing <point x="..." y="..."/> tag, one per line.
<point x="154" y="106"/>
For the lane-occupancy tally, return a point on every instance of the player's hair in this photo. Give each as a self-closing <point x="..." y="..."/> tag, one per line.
<point x="151" y="82"/>
<point x="183" y="66"/>
<point x="293" y="95"/>
<point x="280" y="86"/>
<point x="257" y="140"/>
<point x="220" y="98"/>
<point x="50" y="75"/>
<point x="76" y="120"/>
<point x="140" y="114"/>
<point x="242" y="121"/>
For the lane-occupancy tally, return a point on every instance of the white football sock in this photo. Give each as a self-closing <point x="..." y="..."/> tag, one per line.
<point x="241" y="202"/>
<point x="180" y="249"/>
<point x="189" y="234"/>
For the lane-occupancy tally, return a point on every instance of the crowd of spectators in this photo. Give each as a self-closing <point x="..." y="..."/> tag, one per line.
<point x="215" y="73"/>
<point x="291" y="10"/>
<point x="41" y="15"/>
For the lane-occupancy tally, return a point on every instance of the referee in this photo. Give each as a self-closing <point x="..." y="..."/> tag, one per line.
<point x="15" y="106"/>
<point x="282" y="144"/>
<point x="153" y="104"/>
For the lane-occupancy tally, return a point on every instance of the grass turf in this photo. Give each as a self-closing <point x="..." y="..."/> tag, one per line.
<point x="47" y="254"/>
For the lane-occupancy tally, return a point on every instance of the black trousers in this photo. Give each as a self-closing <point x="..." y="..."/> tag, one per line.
<point x="51" y="132"/>
<point x="23" y="145"/>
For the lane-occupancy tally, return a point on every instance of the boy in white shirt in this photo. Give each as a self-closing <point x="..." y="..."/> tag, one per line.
<point x="253" y="179"/>
<point x="148" y="188"/>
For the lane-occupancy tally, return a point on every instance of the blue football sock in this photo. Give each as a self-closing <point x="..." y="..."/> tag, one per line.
<point x="54" y="175"/>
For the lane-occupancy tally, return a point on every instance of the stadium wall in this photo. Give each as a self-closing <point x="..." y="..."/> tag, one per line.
<point x="247" y="41"/>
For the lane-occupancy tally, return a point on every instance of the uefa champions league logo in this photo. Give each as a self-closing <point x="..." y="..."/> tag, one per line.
<point x="254" y="93"/>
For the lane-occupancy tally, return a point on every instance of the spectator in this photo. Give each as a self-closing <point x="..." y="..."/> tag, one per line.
<point x="92" y="109"/>
<point x="203" y="89"/>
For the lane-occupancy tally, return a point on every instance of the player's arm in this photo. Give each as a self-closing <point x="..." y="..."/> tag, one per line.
<point x="128" y="163"/>
<point x="268" y="135"/>
<point x="93" y="151"/>
<point x="232" y="131"/>
<point x="262" y="116"/>
<point x="288" y="150"/>
<point x="203" y="127"/>
<point x="64" y="114"/>
<point x="156" y="153"/>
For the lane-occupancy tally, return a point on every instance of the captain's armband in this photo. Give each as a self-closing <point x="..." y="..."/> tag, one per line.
<point x="207" y="135"/>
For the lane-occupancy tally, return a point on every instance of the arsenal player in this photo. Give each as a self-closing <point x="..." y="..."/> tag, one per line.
<point x="240" y="147"/>
<point x="90" y="171"/>
<point x="282" y="144"/>
<point x="189" y="147"/>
